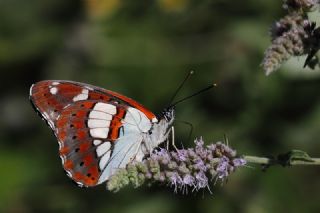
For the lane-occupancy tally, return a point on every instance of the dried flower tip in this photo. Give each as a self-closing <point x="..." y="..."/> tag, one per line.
<point x="298" y="5"/>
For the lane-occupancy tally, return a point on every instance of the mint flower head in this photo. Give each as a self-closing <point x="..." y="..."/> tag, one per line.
<point x="181" y="169"/>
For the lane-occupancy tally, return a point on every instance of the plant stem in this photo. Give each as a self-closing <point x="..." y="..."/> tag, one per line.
<point x="270" y="161"/>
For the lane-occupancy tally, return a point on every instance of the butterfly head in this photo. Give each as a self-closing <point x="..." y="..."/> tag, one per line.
<point x="168" y="114"/>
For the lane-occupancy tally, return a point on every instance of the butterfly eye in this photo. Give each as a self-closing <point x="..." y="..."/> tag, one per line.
<point x="81" y="163"/>
<point x="71" y="125"/>
<point x="74" y="137"/>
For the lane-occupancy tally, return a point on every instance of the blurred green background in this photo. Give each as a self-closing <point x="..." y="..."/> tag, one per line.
<point x="143" y="49"/>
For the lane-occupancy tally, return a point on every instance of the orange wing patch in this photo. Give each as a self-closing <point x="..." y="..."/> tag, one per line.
<point x="116" y="124"/>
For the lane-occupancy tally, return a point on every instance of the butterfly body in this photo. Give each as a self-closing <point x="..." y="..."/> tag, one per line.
<point x="98" y="130"/>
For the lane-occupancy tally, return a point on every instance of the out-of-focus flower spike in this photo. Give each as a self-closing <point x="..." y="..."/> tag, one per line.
<point x="288" y="39"/>
<point x="300" y="5"/>
<point x="293" y="35"/>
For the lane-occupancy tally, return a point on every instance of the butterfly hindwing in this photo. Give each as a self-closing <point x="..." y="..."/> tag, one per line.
<point x="76" y="146"/>
<point x="98" y="130"/>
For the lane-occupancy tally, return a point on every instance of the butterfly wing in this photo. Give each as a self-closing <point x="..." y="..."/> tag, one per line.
<point x="98" y="130"/>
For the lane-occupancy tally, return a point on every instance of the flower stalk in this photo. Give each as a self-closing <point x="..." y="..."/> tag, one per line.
<point x="195" y="168"/>
<point x="291" y="158"/>
<point x="271" y="161"/>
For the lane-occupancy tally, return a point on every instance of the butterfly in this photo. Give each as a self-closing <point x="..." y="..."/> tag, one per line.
<point x="98" y="130"/>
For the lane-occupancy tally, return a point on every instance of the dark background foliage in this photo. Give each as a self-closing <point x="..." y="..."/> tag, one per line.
<point x="144" y="49"/>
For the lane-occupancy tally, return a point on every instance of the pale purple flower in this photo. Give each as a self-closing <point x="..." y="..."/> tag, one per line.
<point x="222" y="167"/>
<point x="162" y="155"/>
<point x="200" y="165"/>
<point x="175" y="180"/>
<point x="182" y="155"/>
<point x="212" y="147"/>
<point x="201" y="180"/>
<point x="188" y="180"/>
<point x="200" y="150"/>
<point x="239" y="162"/>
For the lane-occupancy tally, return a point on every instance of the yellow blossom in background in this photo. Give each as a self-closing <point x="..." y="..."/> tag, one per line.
<point x="101" y="8"/>
<point x="172" y="5"/>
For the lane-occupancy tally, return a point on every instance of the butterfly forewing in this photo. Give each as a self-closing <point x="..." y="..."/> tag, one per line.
<point x="87" y="122"/>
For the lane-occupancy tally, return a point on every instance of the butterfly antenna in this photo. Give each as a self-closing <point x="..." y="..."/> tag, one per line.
<point x="194" y="94"/>
<point x="179" y="88"/>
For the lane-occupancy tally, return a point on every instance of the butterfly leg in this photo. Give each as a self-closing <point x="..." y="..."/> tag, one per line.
<point x="172" y="138"/>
